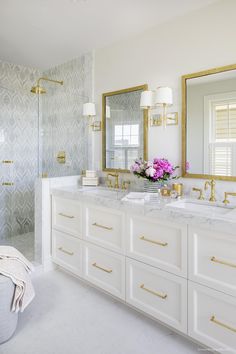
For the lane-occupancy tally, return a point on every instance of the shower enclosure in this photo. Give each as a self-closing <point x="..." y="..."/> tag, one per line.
<point x="40" y="121"/>
<point x="19" y="161"/>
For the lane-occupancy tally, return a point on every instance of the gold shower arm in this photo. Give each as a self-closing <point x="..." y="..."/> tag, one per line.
<point x="46" y="79"/>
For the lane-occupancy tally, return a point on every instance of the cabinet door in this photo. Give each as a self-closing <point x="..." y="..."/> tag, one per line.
<point x="158" y="243"/>
<point x="158" y="293"/>
<point x="67" y="216"/>
<point x="104" y="227"/>
<point x="67" y="251"/>
<point x="212" y="318"/>
<point x="212" y="259"/>
<point x="105" y="269"/>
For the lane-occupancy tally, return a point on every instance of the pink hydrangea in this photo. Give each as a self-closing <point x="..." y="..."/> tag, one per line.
<point x="158" y="170"/>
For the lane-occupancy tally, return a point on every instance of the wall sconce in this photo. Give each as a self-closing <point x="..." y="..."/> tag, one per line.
<point x="89" y="111"/>
<point x="162" y="97"/>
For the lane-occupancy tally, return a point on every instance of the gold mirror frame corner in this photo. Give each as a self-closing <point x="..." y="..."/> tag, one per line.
<point x="145" y="127"/>
<point x="184" y="79"/>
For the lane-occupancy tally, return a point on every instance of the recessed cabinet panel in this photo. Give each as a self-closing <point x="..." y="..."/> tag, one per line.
<point x="67" y="251"/>
<point x="67" y="216"/>
<point x="161" y="244"/>
<point x="105" y="269"/>
<point x="104" y="227"/>
<point x="212" y="318"/>
<point x="158" y="293"/>
<point x="212" y="259"/>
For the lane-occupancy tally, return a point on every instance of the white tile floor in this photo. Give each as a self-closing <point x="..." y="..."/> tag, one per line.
<point x="69" y="317"/>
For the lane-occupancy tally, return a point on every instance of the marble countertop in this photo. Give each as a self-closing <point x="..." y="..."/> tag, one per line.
<point x="150" y="207"/>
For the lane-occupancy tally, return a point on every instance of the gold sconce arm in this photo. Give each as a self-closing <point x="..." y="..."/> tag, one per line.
<point x="201" y="196"/>
<point x="227" y="194"/>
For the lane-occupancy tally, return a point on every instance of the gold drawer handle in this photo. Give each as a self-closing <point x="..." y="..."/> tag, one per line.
<point x="214" y="259"/>
<point x="7" y="161"/>
<point x="66" y="216"/>
<point x="162" y="296"/>
<point x="65" y="251"/>
<point x="101" y="268"/>
<point x="7" y="184"/>
<point x="213" y="319"/>
<point x="164" y="244"/>
<point x="102" y="227"/>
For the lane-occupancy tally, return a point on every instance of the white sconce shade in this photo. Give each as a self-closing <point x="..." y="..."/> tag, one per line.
<point x="108" y="112"/>
<point x="146" y="100"/>
<point x="164" y="96"/>
<point x="89" y="109"/>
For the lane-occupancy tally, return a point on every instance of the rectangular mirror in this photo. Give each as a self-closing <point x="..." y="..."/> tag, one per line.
<point x="124" y="129"/>
<point x="209" y="124"/>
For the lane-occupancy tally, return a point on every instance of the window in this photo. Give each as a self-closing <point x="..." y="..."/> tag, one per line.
<point x="127" y="135"/>
<point x="222" y="137"/>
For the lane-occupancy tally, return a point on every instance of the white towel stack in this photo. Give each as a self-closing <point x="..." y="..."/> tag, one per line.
<point x="15" y="266"/>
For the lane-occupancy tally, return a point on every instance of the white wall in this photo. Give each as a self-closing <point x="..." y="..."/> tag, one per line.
<point x="201" y="40"/>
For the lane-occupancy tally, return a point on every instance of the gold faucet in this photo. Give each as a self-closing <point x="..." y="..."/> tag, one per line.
<point x="226" y="201"/>
<point x="125" y="185"/>
<point x="211" y="184"/>
<point x="116" y="176"/>
<point x="201" y="196"/>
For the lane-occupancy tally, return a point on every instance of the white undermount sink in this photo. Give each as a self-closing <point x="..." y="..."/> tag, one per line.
<point x="198" y="206"/>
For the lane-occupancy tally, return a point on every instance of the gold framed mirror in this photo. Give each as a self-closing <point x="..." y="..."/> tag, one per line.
<point x="124" y="129"/>
<point x="209" y="124"/>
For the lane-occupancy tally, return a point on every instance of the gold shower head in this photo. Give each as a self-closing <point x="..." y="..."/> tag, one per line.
<point x="37" y="89"/>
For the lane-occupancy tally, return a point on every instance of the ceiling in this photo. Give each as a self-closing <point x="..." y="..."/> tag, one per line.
<point x="44" y="33"/>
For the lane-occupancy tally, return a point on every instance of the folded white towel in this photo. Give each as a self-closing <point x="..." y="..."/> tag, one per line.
<point x="13" y="253"/>
<point x="15" y="266"/>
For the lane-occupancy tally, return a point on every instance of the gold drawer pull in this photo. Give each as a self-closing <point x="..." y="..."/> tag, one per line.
<point x="162" y="296"/>
<point x="102" y="227"/>
<point x="65" y="251"/>
<point x="7" y="184"/>
<point x="214" y="259"/>
<point x="213" y="319"/>
<point x="101" y="268"/>
<point x="7" y="161"/>
<point x="164" y="244"/>
<point x="66" y="216"/>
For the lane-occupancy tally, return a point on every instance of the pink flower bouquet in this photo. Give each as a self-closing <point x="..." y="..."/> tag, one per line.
<point x="158" y="170"/>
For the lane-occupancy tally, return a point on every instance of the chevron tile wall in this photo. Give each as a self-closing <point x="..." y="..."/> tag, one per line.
<point x="34" y="129"/>
<point x="19" y="143"/>
<point x="63" y="126"/>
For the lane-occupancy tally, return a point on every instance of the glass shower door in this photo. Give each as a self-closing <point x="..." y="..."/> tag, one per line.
<point x="19" y="169"/>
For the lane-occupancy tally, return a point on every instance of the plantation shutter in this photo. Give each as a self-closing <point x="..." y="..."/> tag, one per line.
<point x="223" y="145"/>
<point x="225" y="122"/>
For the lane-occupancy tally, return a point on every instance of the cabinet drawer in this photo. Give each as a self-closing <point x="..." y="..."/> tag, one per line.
<point x="104" y="269"/>
<point x="161" y="244"/>
<point x="212" y="318"/>
<point x="66" y="216"/>
<point x="104" y="227"/>
<point x="158" y="293"/>
<point x="67" y="251"/>
<point x="212" y="259"/>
